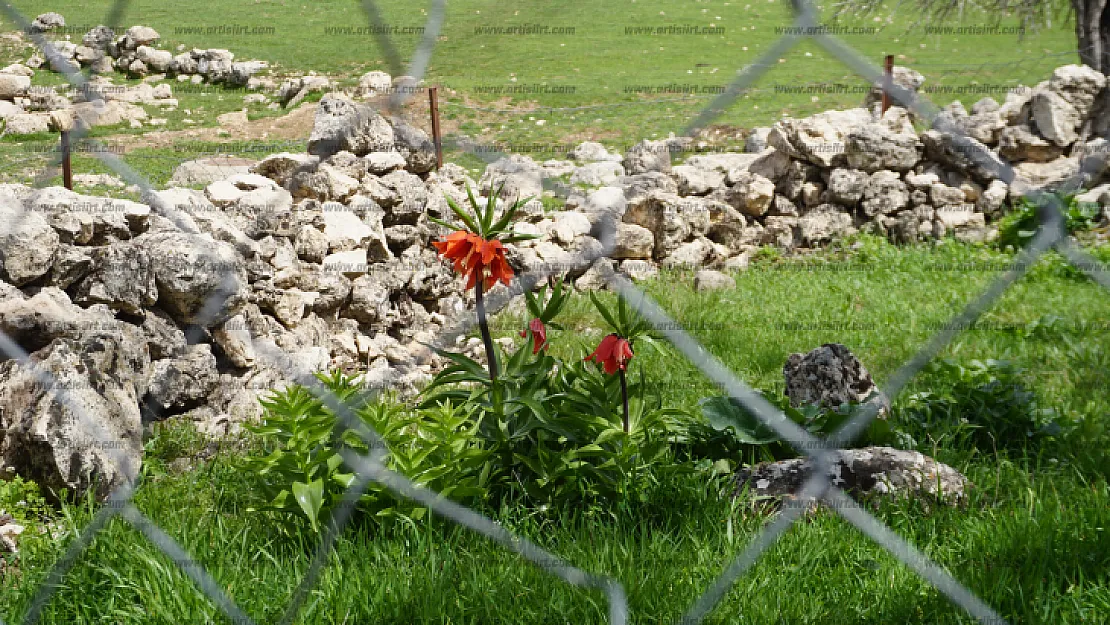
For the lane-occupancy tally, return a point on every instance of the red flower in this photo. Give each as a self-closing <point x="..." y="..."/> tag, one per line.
<point x="613" y="353"/>
<point x="539" y="335"/>
<point x="476" y="258"/>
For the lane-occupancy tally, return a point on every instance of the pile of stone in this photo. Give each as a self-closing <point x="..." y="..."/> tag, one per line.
<point x="26" y="109"/>
<point x="320" y="260"/>
<point x="136" y="54"/>
<point x="805" y="182"/>
<point x="831" y="376"/>
<point x="323" y="259"/>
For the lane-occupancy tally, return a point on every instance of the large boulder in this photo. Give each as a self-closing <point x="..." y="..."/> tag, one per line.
<point x="13" y="86"/>
<point x="80" y="428"/>
<point x="828" y="376"/>
<point x="343" y="124"/>
<point x="27" y="244"/>
<point x="517" y="175"/>
<point x="872" y="147"/>
<point x="882" y="471"/>
<point x="819" y="139"/>
<point x="200" y="280"/>
<point x="121" y="276"/>
<point x="648" y="156"/>
<point x="414" y="145"/>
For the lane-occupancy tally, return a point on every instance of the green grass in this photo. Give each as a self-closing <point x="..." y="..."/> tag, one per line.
<point x="600" y="62"/>
<point x="1032" y="541"/>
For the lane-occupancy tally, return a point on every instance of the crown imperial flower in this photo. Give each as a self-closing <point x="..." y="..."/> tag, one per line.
<point x="612" y="354"/>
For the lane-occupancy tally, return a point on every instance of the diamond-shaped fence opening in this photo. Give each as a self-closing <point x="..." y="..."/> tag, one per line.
<point x="370" y="468"/>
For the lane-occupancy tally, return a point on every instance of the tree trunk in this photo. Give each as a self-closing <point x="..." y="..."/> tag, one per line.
<point x="1092" y="30"/>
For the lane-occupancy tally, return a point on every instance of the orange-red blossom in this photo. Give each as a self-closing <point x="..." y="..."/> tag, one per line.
<point x="476" y="258"/>
<point x="613" y="353"/>
<point x="539" y="335"/>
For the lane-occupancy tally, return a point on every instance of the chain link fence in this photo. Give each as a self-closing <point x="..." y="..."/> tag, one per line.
<point x="371" y="467"/>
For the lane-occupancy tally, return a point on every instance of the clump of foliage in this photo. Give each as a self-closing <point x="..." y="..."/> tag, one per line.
<point x="303" y="472"/>
<point x="731" y="431"/>
<point x="524" y="426"/>
<point x="23" y="500"/>
<point x="985" y="404"/>
<point x="1018" y="227"/>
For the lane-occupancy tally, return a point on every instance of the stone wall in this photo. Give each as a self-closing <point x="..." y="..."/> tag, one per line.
<point x="326" y="261"/>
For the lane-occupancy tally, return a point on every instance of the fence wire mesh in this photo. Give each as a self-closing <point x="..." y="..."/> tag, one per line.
<point x="371" y="468"/>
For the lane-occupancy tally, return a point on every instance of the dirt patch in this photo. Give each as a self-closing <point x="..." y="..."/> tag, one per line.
<point x="296" y="125"/>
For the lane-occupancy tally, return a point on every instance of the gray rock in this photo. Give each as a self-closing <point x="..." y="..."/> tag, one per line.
<point x="342" y="124"/>
<point x="139" y="36"/>
<point x="98" y="37"/>
<point x="415" y="146"/>
<point x="207" y="170"/>
<point x="517" y="176"/>
<point x="696" y="180"/>
<point x="121" y="276"/>
<point x="710" y="280"/>
<point x="13" y="86"/>
<point x="182" y="382"/>
<point x="47" y="22"/>
<point x="846" y="186"/>
<point x="592" y="152"/>
<point x="872" y="147"/>
<point x="904" y="77"/>
<point x="597" y="174"/>
<point x="824" y="223"/>
<point x="27" y="124"/>
<point x="752" y="194"/>
<point x="885" y="193"/>
<point x="633" y="241"/>
<point x="962" y="154"/>
<point x="27" y="244"/>
<point x="648" y="156"/>
<point x="200" y="280"/>
<point x="883" y="471"/>
<point x="83" y="429"/>
<point x="1056" y="118"/>
<point x="369" y="300"/>
<point x="828" y="376"/>
<point x="281" y="167"/>
<point x="1020" y="143"/>
<point x="819" y="139"/>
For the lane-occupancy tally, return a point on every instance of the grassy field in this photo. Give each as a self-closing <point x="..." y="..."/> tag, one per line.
<point x="500" y="87"/>
<point x="1032" y="541"/>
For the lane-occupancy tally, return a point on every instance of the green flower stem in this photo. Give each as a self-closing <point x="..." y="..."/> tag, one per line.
<point x="487" y="340"/>
<point x="624" y="398"/>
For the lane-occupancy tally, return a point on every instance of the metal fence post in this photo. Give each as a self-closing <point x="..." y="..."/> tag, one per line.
<point x="888" y="81"/>
<point x="433" y="104"/>
<point x="67" y="165"/>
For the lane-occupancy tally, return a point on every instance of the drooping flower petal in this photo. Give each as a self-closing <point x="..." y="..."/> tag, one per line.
<point x="613" y="353"/>
<point x="539" y="334"/>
